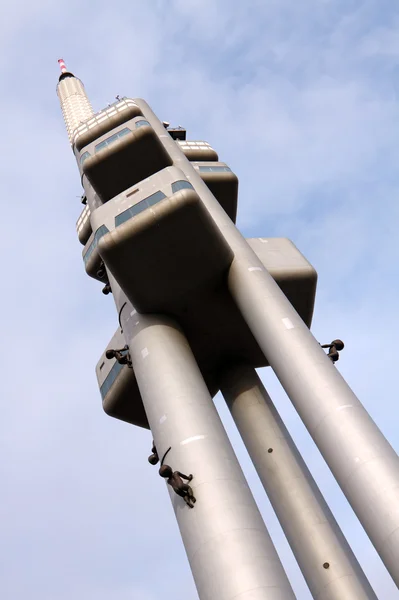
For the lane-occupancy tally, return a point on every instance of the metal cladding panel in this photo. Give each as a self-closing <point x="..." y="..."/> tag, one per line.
<point x="166" y="252"/>
<point x="129" y="160"/>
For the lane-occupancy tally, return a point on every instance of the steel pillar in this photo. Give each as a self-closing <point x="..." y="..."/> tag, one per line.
<point x="229" y="549"/>
<point x="364" y="464"/>
<point x="328" y="564"/>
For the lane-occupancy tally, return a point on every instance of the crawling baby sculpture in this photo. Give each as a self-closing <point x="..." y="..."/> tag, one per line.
<point x="174" y="479"/>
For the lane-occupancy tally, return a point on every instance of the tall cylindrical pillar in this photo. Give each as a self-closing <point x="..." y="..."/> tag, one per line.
<point x="229" y="549"/>
<point x="329" y="566"/>
<point x="361" y="459"/>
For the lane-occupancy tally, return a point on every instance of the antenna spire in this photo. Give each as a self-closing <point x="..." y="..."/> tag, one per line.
<point x="62" y="65"/>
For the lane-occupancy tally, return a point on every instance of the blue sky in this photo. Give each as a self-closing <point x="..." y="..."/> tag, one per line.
<point x="301" y="100"/>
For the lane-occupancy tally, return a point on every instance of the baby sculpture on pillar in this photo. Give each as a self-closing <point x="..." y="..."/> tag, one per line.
<point x="174" y="478"/>
<point x="333" y="348"/>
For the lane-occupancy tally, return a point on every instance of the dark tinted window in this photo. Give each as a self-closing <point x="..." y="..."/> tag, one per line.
<point x="110" y="140"/>
<point x="181" y="185"/>
<point x="84" y="156"/>
<point x="139" y="207"/>
<point x="141" y="123"/>
<point x="99" y="234"/>
<point x="110" y="378"/>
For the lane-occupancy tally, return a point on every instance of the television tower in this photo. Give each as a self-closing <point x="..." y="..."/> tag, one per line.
<point x="198" y="309"/>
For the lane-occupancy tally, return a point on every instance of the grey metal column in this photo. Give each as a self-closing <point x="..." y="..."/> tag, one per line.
<point x="328" y="564"/>
<point x="361" y="459"/>
<point x="228" y="547"/>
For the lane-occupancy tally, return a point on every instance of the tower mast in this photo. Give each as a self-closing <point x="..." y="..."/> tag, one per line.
<point x="194" y="298"/>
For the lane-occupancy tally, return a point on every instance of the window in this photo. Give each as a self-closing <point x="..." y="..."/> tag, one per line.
<point x="181" y="185"/>
<point x="216" y="169"/>
<point x="112" y="375"/>
<point x="110" y="379"/>
<point x="141" y="123"/>
<point x="139" y="207"/>
<point x="84" y="157"/>
<point x="99" y="234"/>
<point x="110" y="140"/>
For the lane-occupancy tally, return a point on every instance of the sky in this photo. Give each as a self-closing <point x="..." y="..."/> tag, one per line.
<point x="301" y="99"/>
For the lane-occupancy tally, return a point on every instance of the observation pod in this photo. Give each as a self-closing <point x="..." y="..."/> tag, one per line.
<point x="118" y="387"/>
<point x="295" y="276"/>
<point x="163" y="245"/>
<point x="222" y="182"/>
<point x="198" y="151"/>
<point x="122" y="157"/>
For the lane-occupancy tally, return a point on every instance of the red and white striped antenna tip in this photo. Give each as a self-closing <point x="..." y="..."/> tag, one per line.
<point x="62" y="65"/>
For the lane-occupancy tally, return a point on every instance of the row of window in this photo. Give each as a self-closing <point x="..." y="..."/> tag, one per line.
<point x="139" y="207"/>
<point x="188" y="144"/>
<point x="217" y="169"/>
<point x="132" y="212"/>
<point x="99" y="234"/>
<point x="144" y="204"/>
<point x="113" y="138"/>
<point x="149" y="201"/>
